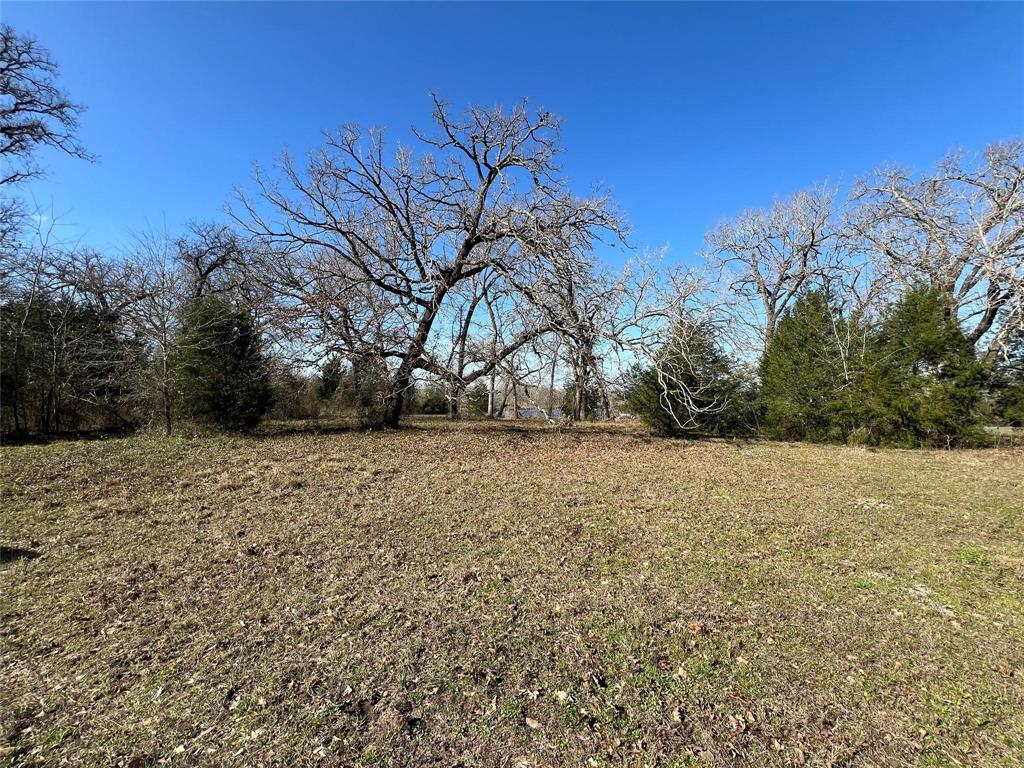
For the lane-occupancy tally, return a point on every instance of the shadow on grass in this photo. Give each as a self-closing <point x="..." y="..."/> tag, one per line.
<point x="35" y="438"/>
<point x="306" y="427"/>
<point x="522" y="429"/>
<point x="343" y="425"/>
<point x="10" y="554"/>
<point x="527" y="430"/>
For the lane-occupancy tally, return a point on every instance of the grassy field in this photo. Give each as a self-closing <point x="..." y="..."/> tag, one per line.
<point x="485" y="595"/>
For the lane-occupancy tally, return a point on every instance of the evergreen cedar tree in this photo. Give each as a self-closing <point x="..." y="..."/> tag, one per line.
<point x="805" y="386"/>
<point x="922" y="381"/>
<point x="225" y="376"/>
<point x="915" y="381"/>
<point x="331" y="376"/>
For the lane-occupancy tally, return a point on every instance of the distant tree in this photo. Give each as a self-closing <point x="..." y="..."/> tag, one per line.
<point x="35" y="112"/>
<point x="65" y="365"/>
<point x="354" y="236"/>
<point x="361" y="389"/>
<point x="922" y="381"/>
<point x="295" y="395"/>
<point x="225" y="376"/>
<point x="958" y="229"/>
<point x="432" y="401"/>
<point x="692" y="388"/>
<point x="588" y="312"/>
<point x="331" y="376"/>
<point x="1006" y="385"/>
<point x="155" y="301"/>
<point x="805" y="380"/>
<point x="585" y="405"/>
<point x="210" y="255"/>
<point x="477" y="399"/>
<point x="771" y="256"/>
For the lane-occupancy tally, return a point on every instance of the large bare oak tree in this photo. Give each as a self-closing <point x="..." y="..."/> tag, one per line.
<point x="769" y="256"/>
<point x="363" y="248"/>
<point x="959" y="228"/>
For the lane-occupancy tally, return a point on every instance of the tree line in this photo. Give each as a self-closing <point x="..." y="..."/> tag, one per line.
<point x="461" y="274"/>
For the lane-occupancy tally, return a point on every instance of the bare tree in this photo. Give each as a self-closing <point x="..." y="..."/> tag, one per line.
<point x="25" y="283"/>
<point x="157" y="288"/>
<point x="584" y="322"/>
<point x="768" y="257"/>
<point x="577" y="303"/>
<point x="34" y="112"/>
<point x="960" y="229"/>
<point x="210" y="254"/>
<point x="393" y="239"/>
<point x="478" y="327"/>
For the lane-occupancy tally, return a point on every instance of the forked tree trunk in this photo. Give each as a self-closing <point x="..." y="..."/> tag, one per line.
<point x="394" y="401"/>
<point x="393" y="404"/>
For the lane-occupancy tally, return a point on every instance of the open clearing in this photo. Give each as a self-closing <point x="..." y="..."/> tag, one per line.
<point x="486" y="594"/>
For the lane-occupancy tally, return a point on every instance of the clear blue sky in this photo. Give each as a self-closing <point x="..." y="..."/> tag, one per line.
<point x="690" y="112"/>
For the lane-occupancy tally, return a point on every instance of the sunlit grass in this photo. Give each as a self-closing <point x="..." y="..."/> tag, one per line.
<point x="482" y="594"/>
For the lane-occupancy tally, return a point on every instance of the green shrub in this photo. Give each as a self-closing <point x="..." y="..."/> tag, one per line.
<point x="295" y="397"/>
<point x="477" y="398"/>
<point x="692" y="389"/>
<point x="331" y="376"/>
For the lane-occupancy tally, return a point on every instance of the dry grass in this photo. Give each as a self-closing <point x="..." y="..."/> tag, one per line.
<point x="486" y="595"/>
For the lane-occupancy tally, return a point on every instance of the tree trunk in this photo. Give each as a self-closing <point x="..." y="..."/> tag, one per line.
<point x="606" y="402"/>
<point x="393" y="404"/>
<point x="771" y="321"/>
<point x="551" y="385"/>
<point x="504" y="400"/>
<point x="454" y="401"/>
<point x="394" y="401"/>
<point x="580" y="385"/>
<point x="167" y="410"/>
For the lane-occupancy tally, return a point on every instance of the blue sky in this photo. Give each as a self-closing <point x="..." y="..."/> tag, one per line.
<point x="689" y="112"/>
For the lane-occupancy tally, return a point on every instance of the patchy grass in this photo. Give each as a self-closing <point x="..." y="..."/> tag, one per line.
<point x="496" y="595"/>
